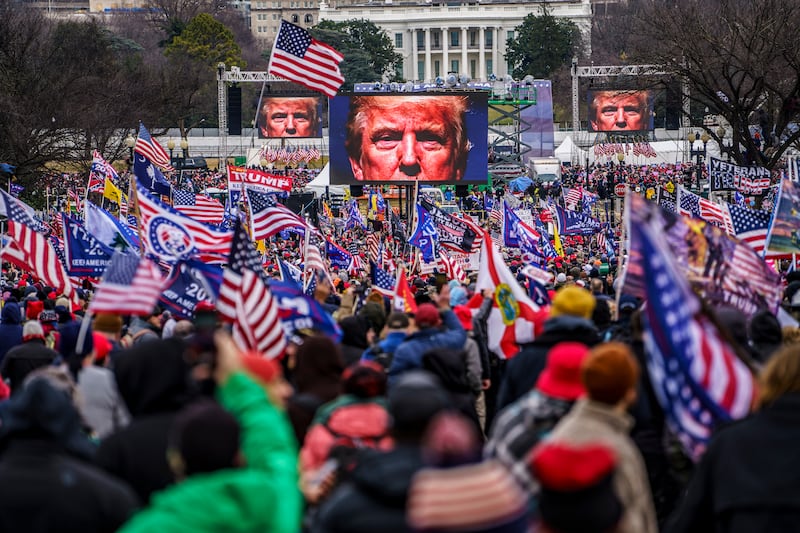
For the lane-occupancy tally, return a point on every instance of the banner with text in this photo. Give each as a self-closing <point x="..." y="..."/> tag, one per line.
<point x="724" y="176"/>
<point x="241" y="177"/>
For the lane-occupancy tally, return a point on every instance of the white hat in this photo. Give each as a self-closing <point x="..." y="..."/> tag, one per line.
<point x="562" y="278"/>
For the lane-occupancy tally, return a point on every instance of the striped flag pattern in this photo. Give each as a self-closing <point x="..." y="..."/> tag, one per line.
<point x="298" y="57"/>
<point x="452" y="268"/>
<point x="697" y="377"/>
<point x="267" y="217"/>
<point x="198" y="206"/>
<point x="374" y="248"/>
<point x="246" y="301"/>
<point x="149" y="147"/>
<point x="130" y="286"/>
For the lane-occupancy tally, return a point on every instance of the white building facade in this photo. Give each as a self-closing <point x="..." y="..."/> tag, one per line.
<point x="462" y="38"/>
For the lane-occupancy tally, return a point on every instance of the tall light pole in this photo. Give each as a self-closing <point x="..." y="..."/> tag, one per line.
<point x="699" y="155"/>
<point x="171" y="148"/>
<point x="130" y="142"/>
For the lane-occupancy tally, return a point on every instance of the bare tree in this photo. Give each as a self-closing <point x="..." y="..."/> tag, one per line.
<point x="740" y="59"/>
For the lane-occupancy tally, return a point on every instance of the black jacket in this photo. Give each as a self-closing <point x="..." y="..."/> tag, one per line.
<point x="523" y="369"/>
<point x="47" y="490"/>
<point x="374" y="499"/>
<point x="23" y="359"/>
<point x="748" y="479"/>
<point x="153" y="379"/>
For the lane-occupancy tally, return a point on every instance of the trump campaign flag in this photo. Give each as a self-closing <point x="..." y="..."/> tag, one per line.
<point x="189" y="283"/>
<point x="301" y="312"/>
<point x="298" y="57"/>
<point x="696" y="376"/>
<point x="514" y="317"/>
<point x="84" y="255"/>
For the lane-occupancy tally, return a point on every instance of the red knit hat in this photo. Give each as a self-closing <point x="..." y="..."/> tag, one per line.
<point x="262" y="368"/>
<point x="427" y="316"/>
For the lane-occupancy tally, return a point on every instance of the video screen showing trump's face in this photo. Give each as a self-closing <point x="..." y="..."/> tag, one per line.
<point x="620" y="110"/>
<point x="290" y="116"/>
<point x="409" y="137"/>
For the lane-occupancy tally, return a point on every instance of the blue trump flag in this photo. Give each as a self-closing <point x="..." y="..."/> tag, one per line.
<point x="299" y="312"/>
<point x="572" y="223"/>
<point x="84" y="255"/>
<point x="338" y="256"/>
<point x="425" y="236"/>
<point x="149" y="175"/>
<point x="189" y="283"/>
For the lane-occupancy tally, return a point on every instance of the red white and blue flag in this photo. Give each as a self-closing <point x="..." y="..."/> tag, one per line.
<point x="696" y="375"/>
<point x="382" y="281"/>
<point x="198" y="206"/>
<point x="268" y="217"/>
<point x="149" y="147"/>
<point x="130" y="286"/>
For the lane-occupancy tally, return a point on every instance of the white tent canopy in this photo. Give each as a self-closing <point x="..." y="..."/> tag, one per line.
<point x="569" y="152"/>
<point x="322" y="182"/>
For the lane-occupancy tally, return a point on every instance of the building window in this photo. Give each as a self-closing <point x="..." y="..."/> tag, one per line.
<point x="420" y="70"/>
<point x="489" y="38"/>
<point x="454" y="66"/>
<point x="473" y="38"/>
<point x="274" y="16"/>
<point x="398" y="40"/>
<point x="509" y="34"/>
<point x="489" y="67"/>
<point x="295" y="19"/>
<point x="454" y="38"/>
<point x="436" y="43"/>
<point x="420" y="40"/>
<point x="473" y="73"/>
<point x="309" y="19"/>
<point x="436" y="70"/>
<point x="398" y="72"/>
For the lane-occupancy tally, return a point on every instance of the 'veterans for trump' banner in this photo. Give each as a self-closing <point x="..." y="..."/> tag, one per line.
<point x="724" y="176"/>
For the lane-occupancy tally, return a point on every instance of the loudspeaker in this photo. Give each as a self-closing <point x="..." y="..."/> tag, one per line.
<point x="234" y="110"/>
<point x="356" y="191"/>
<point x="462" y="191"/>
<point x="672" y="119"/>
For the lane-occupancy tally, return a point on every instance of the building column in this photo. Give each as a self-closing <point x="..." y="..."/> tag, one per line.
<point x="496" y="51"/>
<point x="412" y="74"/>
<point x="428" y="69"/>
<point x="482" y="54"/>
<point x="445" y="52"/>
<point x="464" y="63"/>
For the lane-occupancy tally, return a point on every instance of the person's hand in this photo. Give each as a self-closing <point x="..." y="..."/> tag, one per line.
<point x="229" y="357"/>
<point x="443" y="298"/>
<point x="488" y="293"/>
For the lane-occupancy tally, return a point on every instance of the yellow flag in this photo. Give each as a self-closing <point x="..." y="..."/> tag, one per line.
<point x="557" y="241"/>
<point x="261" y="246"/>
<point x="112" y="192"/>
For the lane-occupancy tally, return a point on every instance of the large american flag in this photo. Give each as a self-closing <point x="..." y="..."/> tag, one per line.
<point x="246" y="301"/>
<point x="130" y="285"/>
<point x="198" y="206"/>
<point x="32" y="250"/>
<point x="691" y="204"/>
<point x="382" y="281"/>
<point x="750" y="226"/>
<point x="149" y="147"/>
<point x="268" y="217"/>
<point x="171" y="236"/>
<point x="452" y="268"/>
<point x="696" y="376"/>
<point x="298" y="57"/>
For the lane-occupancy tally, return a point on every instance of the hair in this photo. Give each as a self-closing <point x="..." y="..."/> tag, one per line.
<point x="791" y="335"/>
<point x="609" y="372"/>
<point x="780" y="376"/>
<point x="641" y="96"/>
<point x="452" y="108"/>
<point x="311" y="103"/>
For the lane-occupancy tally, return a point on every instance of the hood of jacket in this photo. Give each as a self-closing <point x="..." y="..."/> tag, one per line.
<point x="386" y="476"/>
<point x="153" y="377"/>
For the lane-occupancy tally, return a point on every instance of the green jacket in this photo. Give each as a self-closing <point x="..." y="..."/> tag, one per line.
<point x="261" y="497"/>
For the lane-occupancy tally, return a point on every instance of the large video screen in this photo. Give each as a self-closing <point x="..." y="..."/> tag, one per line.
<point x="620" y="110"/>
<point x="290" y="116"/>
<point x="404" y="138"/>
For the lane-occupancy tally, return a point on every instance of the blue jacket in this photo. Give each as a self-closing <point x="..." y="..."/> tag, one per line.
<point x="387" y="345"/>
<point x="10" y="328"/>
<point x="408" y="355"/>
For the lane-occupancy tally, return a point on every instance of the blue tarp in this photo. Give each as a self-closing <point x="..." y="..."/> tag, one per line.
<point x="520" y="184"/>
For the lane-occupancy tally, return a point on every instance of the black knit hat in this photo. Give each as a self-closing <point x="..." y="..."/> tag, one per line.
<point x="206" y="436"/>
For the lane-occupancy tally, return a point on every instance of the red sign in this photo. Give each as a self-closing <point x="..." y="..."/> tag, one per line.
<point x="619" y="189"/>
<point x="241" y="177"/>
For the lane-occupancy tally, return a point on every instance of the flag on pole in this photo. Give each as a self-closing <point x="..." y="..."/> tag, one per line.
<point x="382" y="281"/>
<point x="697" y="378"/>
<point x="514" y="318"/>
<point x="112" y="192"/>
<point x="246" y="301"/>
<point x="130" y="286"/>
<point x="403" y="297"/>
<point x="149" y="148"/>
<point x="268" y="217"/>
<point x="302" y="59"/>
<point x="198" y="206"/>
<point x="149" y="175"/>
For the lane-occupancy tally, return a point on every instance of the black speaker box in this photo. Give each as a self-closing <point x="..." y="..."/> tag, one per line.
<point x="234" y="110"/>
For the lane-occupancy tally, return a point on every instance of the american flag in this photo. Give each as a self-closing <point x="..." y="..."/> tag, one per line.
<point x="696" y="376"/>
<point x="130" y="285"/>
<point x="374" y="247"/>
<point x="452" y="268"/>
<point x="198" y="206"/>
<point x="246" y="301"/>
<point x="33" y="248"/>
<point x="572" y="197"/>
<point x="696" y="206"/>
<point x="171" y="236"/>
<point x="99" y="171"/>
<point x="382" y="281"/>
<point x="313" y="262"/>
<point x="298" y="57"/>
<point x="750" y="226"/>
<point x="149" y="147"/>
<point x="495" y="215"/>
<point x="268" y="217"/>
